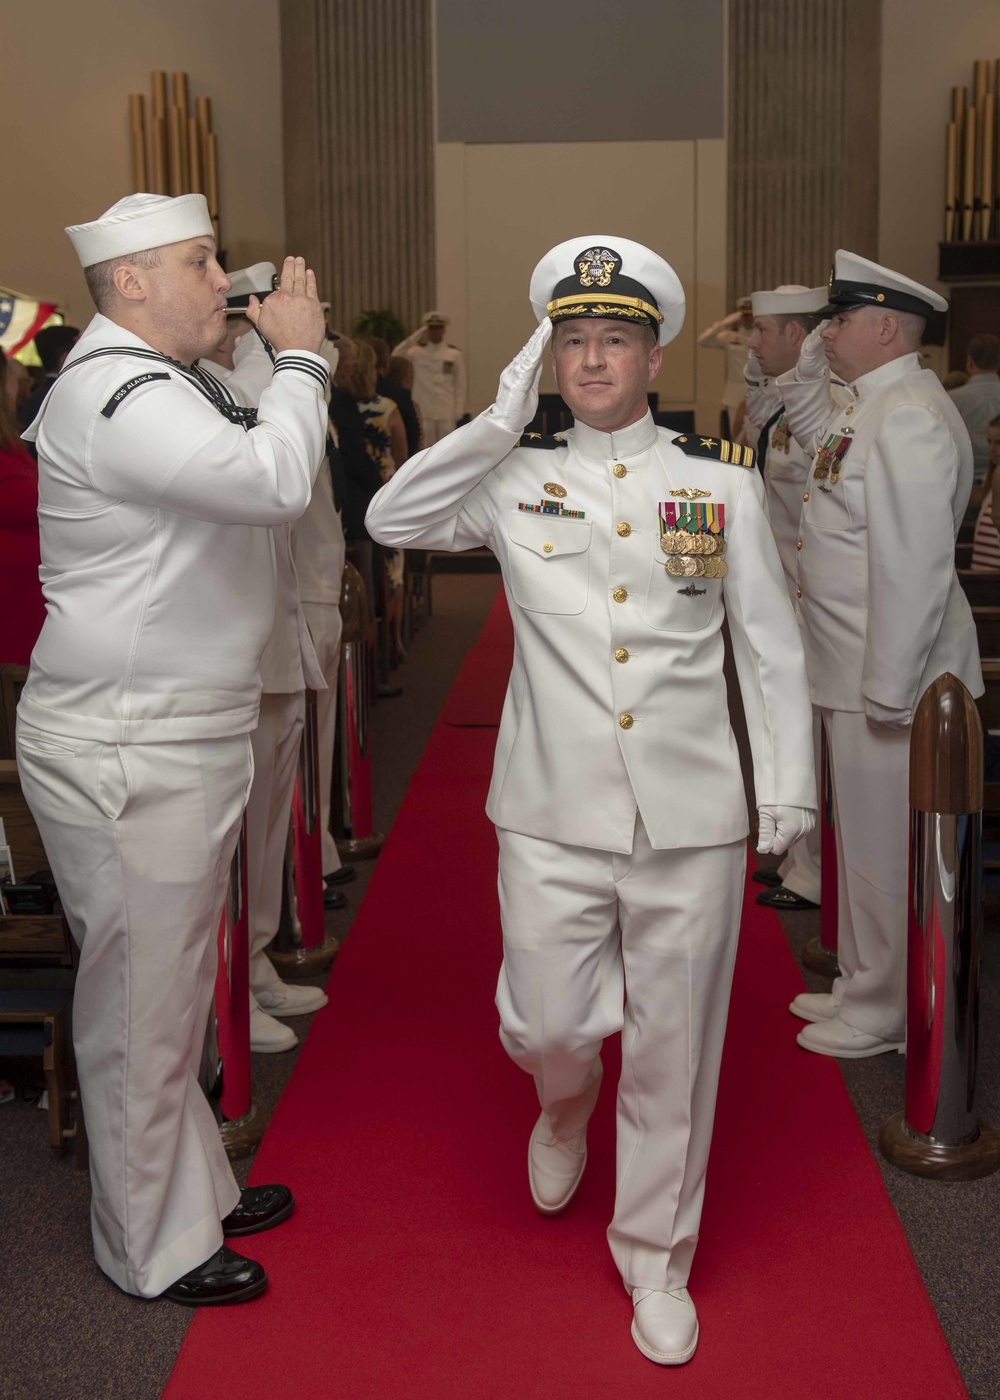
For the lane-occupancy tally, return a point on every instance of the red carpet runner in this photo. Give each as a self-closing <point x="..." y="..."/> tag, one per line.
<point x="416" y="1265"/>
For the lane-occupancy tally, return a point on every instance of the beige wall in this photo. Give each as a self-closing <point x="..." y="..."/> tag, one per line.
<point x="68" y="68"/>
<point x="500" y="207"/>
<point x="927" y="48"/>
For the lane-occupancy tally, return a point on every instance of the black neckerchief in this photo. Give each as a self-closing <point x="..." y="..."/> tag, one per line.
<point x="207" y="385"/>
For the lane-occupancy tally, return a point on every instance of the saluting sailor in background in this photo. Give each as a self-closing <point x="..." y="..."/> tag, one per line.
<point x="882" y="611"/>
<point x="133" y="728"/>
<point x="438" y="376"/>
<point x="782" y="320"/>
<point x="287" y="667"/>
<point x="617" y="795"/>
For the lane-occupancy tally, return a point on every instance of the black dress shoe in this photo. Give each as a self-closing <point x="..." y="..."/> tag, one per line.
<point x="385" y="690"/>
<point x="225" y="1278"/>
<point x="259" y="1208"/>
<point x="334" y="899"/>
<point x="766" y="875"/>
<point x="343" y="876"/>
<point x="785" y="901"/>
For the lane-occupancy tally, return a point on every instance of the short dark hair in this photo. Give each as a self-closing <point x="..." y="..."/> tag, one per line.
<point x="382" y="352"/>
<point x="101" y="276"/>
<point x="984" y="352"/>
<point x="808" y="320"/>
<point x="53" y="344"/>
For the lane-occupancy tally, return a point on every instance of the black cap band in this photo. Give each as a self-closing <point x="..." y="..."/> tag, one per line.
<point x="847" y="295"/>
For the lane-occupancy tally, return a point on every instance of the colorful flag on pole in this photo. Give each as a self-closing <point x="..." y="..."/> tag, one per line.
<point x="21" y="318"/>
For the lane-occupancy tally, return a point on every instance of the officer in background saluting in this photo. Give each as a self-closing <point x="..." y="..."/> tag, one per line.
<point x="133" y="728"/>
<point x="617" y="792"/>
<point x="883" y="614"/>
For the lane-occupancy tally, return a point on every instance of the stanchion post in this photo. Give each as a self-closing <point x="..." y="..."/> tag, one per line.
<point x="939" y="1135"/>
<point x="306" y="950"/>
<point x="359" y="840"/>
<point x="820" y="953"/>
<point x="242" y="1120"/>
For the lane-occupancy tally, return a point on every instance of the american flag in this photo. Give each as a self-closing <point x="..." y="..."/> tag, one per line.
<point x="21" y="317"/>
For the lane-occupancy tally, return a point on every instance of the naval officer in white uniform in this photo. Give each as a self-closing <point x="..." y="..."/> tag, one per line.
<point x="438" y="377"/>
<point x="883" y="615"/>
<point x="617" y="795"/>
<point x="133" y="728"/>
<point x="782" y="319"/>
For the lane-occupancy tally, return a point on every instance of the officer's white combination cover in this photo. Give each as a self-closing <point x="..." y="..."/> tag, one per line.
<point x="602" y="275"/>
<point x="138" y="222"/>
<point x="789" y="299"/>
<point x="257" y="280"/>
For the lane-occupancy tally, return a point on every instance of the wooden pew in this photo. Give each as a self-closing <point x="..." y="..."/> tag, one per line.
<point x="982" y="590"/>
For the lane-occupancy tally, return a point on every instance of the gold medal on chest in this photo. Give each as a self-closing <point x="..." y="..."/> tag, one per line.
<point x="552" y="488"/>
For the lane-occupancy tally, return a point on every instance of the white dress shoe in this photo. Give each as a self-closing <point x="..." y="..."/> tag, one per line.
<point x="664" y="1325"/>
<point x="836" y="1037"/>
<point x="268" y="1036"/>
<point x="284" y="1000"/>
<point x="815" y="1006"/>
<point x="554" y="1168"/>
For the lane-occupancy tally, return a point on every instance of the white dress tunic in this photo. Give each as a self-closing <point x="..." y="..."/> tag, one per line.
<point x="616" y="788"/>
<point x="134" y="754"/>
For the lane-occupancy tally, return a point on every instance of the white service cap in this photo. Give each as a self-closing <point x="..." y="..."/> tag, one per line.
<point x="257" y="281"/>
<point x="856" y="281"/>
<point x="601" y="275"/>
<point x="789" y="299"/>
<point x="138" y="222"/>
<point x="435" y="318"/>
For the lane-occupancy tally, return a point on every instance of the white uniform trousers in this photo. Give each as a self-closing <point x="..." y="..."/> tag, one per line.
<point x="800" y="870"/>
<point x="325" y="627"/>
<point x="140" y="837"/>
<point x="871" y="809"/>
<point x="434" y="429"/>
<point x="276" y="742"/>
<point x="584" y="931"/>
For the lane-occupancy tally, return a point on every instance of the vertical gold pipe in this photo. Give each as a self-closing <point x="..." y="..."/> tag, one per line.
<point x="951" y="182"/>
<point x="181" y="99"/>
<point x="159" y="94"/>
<point x="174" y="151"/>
<point x="212" y="184"/>
<point x="986" y="166"/>
<point x="980" y="80"/>
<point x="195" y="182"/>
<point x="137" y="132"/>
<point x="161" y="164"/>
<point x="968" y="172"/>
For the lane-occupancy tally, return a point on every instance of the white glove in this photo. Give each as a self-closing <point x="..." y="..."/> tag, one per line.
<point x="813" y="363"/>
<point x="781" y="827"/>
<point x="887" y="716"/>
<point x="517" y="395"/>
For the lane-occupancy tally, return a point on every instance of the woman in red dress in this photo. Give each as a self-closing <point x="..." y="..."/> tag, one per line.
<point x="22" y="608"/>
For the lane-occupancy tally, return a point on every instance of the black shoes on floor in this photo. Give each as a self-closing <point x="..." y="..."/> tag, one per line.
<point x="227" y="1277"/>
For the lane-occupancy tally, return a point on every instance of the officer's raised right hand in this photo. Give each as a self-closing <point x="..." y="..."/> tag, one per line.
<point x="291" y="318"/>
<point x="813" y="363"/>
<point x="517" y="395"/>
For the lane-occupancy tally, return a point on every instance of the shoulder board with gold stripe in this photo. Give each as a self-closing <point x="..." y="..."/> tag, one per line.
<point x="542" y="440"/>
<point x="717" y="449"/>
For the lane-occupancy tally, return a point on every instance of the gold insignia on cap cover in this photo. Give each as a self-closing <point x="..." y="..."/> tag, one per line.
<point x="552" y="488"/>
<point x="596" y="266"/>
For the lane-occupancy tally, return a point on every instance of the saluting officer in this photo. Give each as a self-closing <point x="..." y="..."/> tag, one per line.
<point x="133" y="728"/>
<point x="438" y="376"/>
<point x="782" y="319"/>
<point x="883" y="615"/>
<point x="617" y="795"/>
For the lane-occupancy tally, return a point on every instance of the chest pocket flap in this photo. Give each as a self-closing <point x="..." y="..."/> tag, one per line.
<point x="549" y="562"/>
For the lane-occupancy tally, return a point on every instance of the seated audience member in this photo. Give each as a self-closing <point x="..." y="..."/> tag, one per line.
<point x="22" y="607"/>
<point x="53" y="344"/>
<point x="986" y="540"/>
<point x="978" y="401"/>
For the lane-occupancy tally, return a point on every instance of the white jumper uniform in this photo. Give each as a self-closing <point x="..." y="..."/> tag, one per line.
<point x="616" y="786"/>
<point x="883" y="616"/>
<point x="438" y="384"/>
<point x="134" y="753"/>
